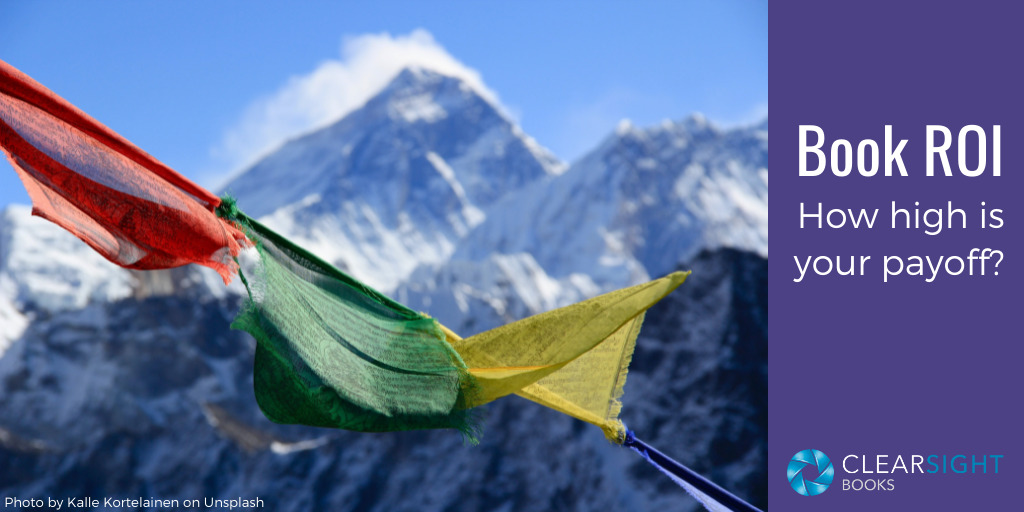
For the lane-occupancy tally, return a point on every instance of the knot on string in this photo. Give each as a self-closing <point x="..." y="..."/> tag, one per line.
<point x="630" y="439"/>
<point x="228" y="208"/>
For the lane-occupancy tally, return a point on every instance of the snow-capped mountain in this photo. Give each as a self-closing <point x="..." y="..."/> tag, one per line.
<point x="397" y="182"/>
<point x="643" y="197"/>
<point x="629" y="210"/>
<point x="125" y="383"/>
<point x="45" y="270"/>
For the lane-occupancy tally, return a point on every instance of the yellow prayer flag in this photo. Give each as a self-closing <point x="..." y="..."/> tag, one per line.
<point x="572" y="359"/>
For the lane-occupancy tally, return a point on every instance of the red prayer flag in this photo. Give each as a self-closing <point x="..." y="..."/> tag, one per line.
<point x="125" y="204"/>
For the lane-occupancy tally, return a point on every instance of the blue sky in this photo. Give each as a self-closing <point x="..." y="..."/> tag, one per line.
<point x="206" y="87"/>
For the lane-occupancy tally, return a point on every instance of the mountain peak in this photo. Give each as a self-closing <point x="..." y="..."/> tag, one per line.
<point x="422" y="95"/>
<point x="416" y="76"/>
<point x="696" y="123"/>
<point x="397" y="182"/>
<point x="624" y="128"/>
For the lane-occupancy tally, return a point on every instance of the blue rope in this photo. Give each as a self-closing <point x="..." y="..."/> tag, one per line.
<point x="685" y="474"/>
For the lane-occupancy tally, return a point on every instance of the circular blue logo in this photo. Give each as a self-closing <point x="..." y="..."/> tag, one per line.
<point x="810" y="472"/>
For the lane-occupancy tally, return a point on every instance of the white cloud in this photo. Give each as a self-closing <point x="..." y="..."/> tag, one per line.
<point x="332" y="90"/>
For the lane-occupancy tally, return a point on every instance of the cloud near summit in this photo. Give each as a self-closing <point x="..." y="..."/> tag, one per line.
<point x="332" y="90"/>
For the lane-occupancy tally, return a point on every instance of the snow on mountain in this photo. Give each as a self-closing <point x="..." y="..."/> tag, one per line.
<point x="45" y="270"/>
<point x="12" y="322"/>
<point x="49" y="269"/>
<point x="628" y="211"/>
<point x="396" y="183"/>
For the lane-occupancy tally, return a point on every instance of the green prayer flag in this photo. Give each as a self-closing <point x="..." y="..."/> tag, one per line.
<point x="333" y="352"/>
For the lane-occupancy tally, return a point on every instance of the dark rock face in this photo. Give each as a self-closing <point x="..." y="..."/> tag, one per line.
<point x="701" y="368"/>
<point x="153" y="397"/>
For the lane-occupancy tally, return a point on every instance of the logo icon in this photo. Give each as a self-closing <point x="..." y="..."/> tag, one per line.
<point x="810" y="472"/>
